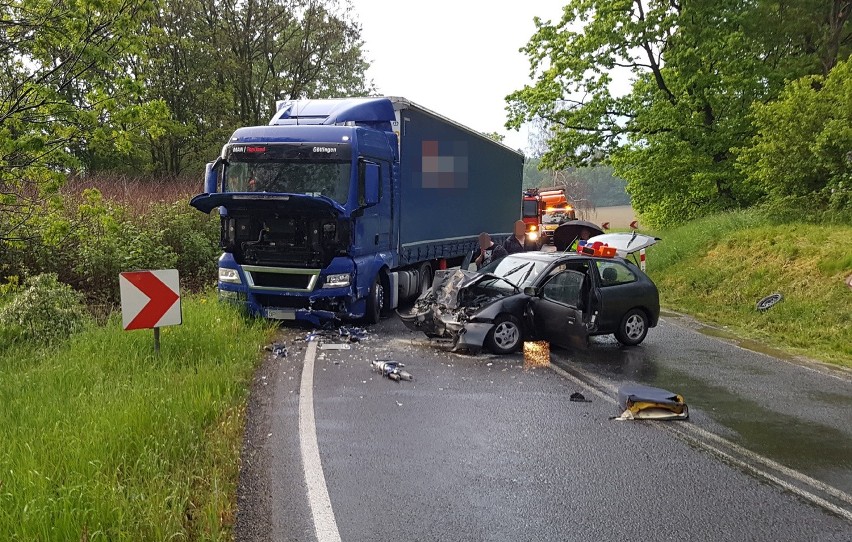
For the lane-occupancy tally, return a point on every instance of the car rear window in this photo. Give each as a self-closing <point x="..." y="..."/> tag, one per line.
<point x="612" y="273"/>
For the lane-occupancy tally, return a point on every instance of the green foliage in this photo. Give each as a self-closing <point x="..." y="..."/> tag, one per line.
<point x="43" y="311"/>
<point x="695" y="70"/>
<point x="103" y="440"/>
<point x="801" y="152"/>
<point x="57" y="84"/>
<point x="88" y="243"/>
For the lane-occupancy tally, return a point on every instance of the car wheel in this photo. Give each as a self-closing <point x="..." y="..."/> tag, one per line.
<point x="375" y="302"/>
<point x="506" y="336"/>
<point x="633" y="328"/>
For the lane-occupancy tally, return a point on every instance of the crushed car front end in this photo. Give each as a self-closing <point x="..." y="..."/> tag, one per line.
<point x="457" y="308"/>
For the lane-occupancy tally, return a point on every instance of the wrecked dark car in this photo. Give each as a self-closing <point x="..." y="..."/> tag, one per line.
<point x="559" y="297"/>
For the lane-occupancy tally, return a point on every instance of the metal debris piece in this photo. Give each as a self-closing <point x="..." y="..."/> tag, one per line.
<point x="392" y="370"/>
<point x="278" y="350"/>
<point x="578" y="397"/>
<point x="334" y="346"/>
<point x="352" y="333"/>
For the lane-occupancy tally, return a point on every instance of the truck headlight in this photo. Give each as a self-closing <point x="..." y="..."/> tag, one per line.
<point x="340" y="280"/>
<point x="532" y="235"/>
<point x="226" y="274"/>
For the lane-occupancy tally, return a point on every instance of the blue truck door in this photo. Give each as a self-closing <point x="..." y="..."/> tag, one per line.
<point x="374" y="224"/>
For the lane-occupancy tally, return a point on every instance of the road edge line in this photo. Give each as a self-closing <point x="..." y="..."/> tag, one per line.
<point x="319" y="501"/>
<point x="596" y="385"/>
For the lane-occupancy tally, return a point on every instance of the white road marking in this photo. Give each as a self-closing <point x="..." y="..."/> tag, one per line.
<point x="701" y="436"/>
<point x="320" y="503"/>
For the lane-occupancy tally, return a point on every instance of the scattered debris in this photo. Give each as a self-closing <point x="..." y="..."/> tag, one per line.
<point x="645" y="402"/>
<point x="353" y="334"/>
<point x="278" y="350"/>
<point x="334" y="346"/>
<point x="330" y="338"/>
<point x="391" y="369"/>
<point x="768" y="302"/>
<point x="578" y="397"/>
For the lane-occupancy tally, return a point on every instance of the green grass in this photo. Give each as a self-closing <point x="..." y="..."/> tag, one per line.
<point x="101" y="440"/>
<point x="718" y="268"/>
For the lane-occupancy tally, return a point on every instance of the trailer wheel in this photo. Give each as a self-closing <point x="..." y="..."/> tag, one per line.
<point x="424" y="276"/>
<point x="375" y="301"/>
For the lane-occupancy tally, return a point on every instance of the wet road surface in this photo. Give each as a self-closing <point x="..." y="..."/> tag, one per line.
<point x="490" y="448"/>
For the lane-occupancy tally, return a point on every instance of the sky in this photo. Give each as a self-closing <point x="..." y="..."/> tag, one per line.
<point x="458" y="58"/>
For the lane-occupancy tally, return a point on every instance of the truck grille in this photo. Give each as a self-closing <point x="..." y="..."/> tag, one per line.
<point x="281" y="278"/>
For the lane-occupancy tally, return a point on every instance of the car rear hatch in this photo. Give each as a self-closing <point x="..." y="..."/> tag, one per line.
<point x="625" y="243"/>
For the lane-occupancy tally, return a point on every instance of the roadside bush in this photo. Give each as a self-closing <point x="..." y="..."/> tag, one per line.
<point x="86" y="240"/>
<point x="43" y="311"/>
<point x="193" y="237"/>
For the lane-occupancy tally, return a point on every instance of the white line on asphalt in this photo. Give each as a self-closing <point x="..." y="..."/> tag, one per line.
<point x="323" y="514"/>
<point x="748" y="454"/>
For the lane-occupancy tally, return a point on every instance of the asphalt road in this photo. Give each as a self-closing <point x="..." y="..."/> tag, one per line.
<point x="491" y="448"/>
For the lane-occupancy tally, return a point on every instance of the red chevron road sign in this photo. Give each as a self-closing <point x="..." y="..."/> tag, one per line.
<point x="150" y="299"/>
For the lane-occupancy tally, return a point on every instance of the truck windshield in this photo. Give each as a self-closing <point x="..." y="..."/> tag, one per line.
<point x="530" y="207"/>
<point x="329" y="179"/>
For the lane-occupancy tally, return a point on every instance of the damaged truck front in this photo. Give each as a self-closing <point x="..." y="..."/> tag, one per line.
<point x="339" y="209"/>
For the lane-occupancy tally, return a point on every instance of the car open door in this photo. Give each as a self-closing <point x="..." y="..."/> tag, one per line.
<point x="554" y="309"/>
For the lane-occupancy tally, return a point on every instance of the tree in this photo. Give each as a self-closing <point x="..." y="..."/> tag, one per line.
<point x="695" y="69"/>
<point x="57" y="77"/>
<point x="803" y="147"/>
<point x="215" y="65"/>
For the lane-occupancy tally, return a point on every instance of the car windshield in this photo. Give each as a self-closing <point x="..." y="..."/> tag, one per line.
<point x="518" y="271"/>
<point x="329" y="179"/>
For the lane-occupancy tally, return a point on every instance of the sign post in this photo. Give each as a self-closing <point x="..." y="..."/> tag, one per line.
<point x="150" y="299"/>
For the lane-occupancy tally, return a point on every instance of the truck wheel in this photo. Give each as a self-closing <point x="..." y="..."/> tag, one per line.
<point x="506" y="336"/>
<point x="633" y="328"/>
<point x="375" y="302"/>
<point x="424" y="275"/>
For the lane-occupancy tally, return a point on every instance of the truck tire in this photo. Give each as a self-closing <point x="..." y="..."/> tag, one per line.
<point x="506" y="336"/>
<point x="633" y="328"/>
<point x="375" y="301"/>
<point x="424" y="277"/>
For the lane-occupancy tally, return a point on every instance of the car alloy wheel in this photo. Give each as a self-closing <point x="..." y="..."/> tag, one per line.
<point x="506" y="336"/>
<point x="633" y="328"/>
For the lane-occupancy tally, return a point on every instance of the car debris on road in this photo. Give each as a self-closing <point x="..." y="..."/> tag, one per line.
<point x="279" y="350"/>
<point x="648" y="403"/>
<point x="392" y="370"/>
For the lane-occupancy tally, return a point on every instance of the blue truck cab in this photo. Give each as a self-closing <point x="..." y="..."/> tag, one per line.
<point x="340" y="209"/>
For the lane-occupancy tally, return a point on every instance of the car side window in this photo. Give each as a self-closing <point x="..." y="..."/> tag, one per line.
<point x="613" y="273"/>
<point x="564" y="288"/>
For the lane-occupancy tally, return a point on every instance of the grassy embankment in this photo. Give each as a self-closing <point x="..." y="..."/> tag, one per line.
<point x="717" y="268"/>
<point x="104" y="441"/>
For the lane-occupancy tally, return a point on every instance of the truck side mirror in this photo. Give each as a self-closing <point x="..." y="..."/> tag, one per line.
<point x="211" y="178"/>
<point x="371" y="184"/>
